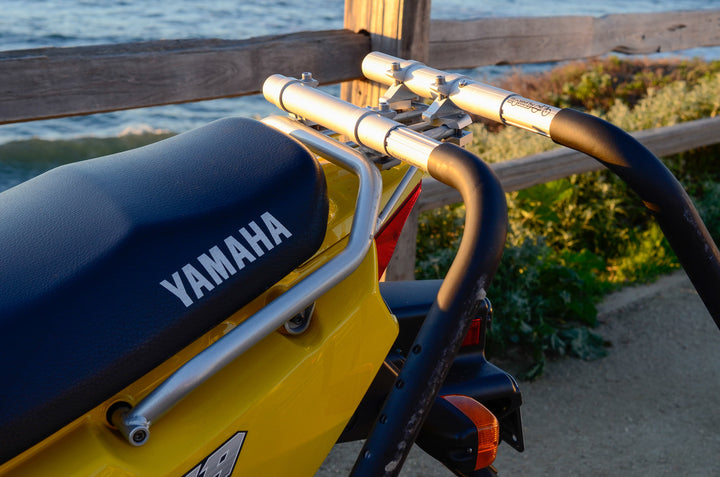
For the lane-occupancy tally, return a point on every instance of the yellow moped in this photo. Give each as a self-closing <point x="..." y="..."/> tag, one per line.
<point x="210" y="305"/>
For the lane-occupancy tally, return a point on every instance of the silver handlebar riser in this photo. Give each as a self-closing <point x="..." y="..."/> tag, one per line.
<point x="472" y="96"/>
<point x="364" y="126"/>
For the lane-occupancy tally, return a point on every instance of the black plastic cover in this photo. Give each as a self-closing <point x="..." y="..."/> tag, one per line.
<point x="111" y="266"/>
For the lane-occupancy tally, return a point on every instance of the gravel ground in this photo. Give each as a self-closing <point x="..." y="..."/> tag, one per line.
<point x="649" y="408"/>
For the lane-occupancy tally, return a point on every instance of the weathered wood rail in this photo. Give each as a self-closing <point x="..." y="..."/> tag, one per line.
<point x="524" y="172"/>
<point x="57" y="82"/>
<point x="54" y="82"/>
<point x="464" y="44"/>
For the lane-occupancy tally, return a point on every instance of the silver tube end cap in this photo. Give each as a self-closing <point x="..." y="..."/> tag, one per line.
<point x="135" y="429"/>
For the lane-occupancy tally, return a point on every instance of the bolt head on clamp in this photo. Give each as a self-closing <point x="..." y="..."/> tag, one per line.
<point x="135" y="429"/>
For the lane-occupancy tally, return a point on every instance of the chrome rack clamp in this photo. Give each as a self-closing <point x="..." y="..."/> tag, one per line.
<point x="307" y="79"/>
<point x="398" y="96"/>
<point x="483" y="100"/>
<point x="384" y="109"/>
<point x="443" y="112"/>
<point x="396" y="73"/>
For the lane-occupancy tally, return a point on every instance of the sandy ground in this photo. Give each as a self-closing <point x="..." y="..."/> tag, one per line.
<point x="650" y="408"/>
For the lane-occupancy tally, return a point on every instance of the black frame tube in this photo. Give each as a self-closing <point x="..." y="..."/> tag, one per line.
<point x="659" y="190"/>
<point x="459" y="300"/>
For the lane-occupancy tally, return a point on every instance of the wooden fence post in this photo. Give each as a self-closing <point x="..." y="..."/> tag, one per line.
<point x="400" y="28"/>
<point x="397" y="27"/>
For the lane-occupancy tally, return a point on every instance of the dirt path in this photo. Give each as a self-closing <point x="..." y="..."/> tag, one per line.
<point x="652" y="407"/>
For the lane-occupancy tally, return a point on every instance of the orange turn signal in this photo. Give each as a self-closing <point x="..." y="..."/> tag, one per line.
<point x="488" y="429"/>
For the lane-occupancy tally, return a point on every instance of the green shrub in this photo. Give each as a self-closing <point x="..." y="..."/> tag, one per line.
<point x="597" y="84"/>
<point x="708" y="204"/>
<point x="542" y="298"/>
<point x="673" y="104"/>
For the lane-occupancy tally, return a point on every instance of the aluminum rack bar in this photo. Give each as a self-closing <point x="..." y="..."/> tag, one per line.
<point x="472" y="96"/>
<point x="396" y="196"/>
<point x="363" y="126"/>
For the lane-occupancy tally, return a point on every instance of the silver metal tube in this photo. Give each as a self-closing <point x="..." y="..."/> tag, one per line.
<point x="364" y="126"/>
<point x="310" y="103"/>
<point x="396" y="196"/>
<point x="405" y="144"/>
<point x="366" y="209"/>
<point x="472" y="96"/>
<point x="135" y="424"/>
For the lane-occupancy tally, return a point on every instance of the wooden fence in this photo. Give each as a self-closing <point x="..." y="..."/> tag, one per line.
<point x="57" y="82"/>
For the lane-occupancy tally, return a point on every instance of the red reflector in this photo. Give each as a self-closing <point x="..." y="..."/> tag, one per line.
<point x="387" y="238"/>
<point x="473" y="334"/>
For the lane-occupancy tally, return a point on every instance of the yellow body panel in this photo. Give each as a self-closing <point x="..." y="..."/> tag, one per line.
<point x="293" y="396"/>
<point x="290" y="395"/>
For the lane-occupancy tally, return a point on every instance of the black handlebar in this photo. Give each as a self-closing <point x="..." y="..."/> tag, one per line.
<point x="459" y="299"/>
<point x="659" y="190"/>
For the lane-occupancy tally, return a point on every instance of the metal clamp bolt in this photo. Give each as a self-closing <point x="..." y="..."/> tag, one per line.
<point x="307" y="79"/>
<point x="441" y="87"/>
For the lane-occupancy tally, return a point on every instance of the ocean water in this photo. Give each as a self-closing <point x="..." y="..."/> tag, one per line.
<point x="28" y="24"/>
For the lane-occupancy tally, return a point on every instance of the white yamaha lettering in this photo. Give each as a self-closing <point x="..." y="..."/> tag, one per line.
<point x="221" y="462"/>
<point x="220" y="262"/>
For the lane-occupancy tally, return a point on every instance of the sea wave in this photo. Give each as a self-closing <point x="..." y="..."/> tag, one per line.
<point x="23" y="159"/>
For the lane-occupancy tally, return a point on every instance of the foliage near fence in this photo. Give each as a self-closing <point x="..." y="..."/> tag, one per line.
<point x="575" y="239"/>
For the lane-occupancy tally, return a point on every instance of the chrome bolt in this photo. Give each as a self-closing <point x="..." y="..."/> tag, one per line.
<point x="438" y="86"/>
<point x="139" y="436"/>
<point x="395" y="72"/>
<point x="308" y="80"/>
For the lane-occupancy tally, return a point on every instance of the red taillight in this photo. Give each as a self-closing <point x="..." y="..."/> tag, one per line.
<point x="473" y="335"/>
<point x="386" y="239"/>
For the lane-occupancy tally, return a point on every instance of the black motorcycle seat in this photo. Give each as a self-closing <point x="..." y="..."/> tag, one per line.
<point x="109" y="267"/>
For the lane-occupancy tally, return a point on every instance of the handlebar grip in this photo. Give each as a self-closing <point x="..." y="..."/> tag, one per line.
<point x="659" y="190"/>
